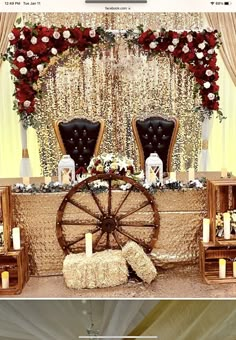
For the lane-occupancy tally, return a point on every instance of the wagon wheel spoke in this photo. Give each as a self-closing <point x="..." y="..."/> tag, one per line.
<point x="143" y="244"/>
<point x="98" y="240"/>
<point x="81" y="207"/>
<point x="116" y="238"/>
<point x="137" y="224"/>
<point x="109" y="197"/>
<point x="66" y="222"/>
<point x="108" y="241"/>
<point x="95" y="199"/>
<point x="123" y="201"/>
<point x="144" y="204"/>
<point x="69" y="244"/>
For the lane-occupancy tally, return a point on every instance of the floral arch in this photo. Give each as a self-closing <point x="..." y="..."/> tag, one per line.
<point x="33" y="46"/>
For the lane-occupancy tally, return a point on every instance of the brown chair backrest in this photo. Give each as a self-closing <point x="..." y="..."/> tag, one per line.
<point x="156" y="134"/>
<point x="80" y="138"/>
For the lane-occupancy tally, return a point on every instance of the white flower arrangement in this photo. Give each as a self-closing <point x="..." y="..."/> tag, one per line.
<point x="111" y="163"/>
<point x="56" y="35"/>
<point x="54" y="51"/>
<point x="66" y="34"/>
<point x="34" y="40"/>
<point x="20" y="59"/>
<point x="27" y="103"/>
<point x="30" y="54"/>
<point x="23" y="70"/>
<point x="45" y="39"/>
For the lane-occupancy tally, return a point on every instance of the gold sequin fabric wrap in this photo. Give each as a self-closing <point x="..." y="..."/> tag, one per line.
<point x="103" y="269"/>
<point x="181" y="214"/>
<point x="117" y="84"/>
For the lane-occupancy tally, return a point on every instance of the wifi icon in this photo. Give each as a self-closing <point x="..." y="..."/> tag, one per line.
<point x="212" y="2"/>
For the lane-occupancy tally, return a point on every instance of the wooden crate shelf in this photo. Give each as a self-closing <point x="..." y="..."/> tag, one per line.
<point x="209" y="262"/>
<point x="16" y="263"/>
<point x="221" y="198"/>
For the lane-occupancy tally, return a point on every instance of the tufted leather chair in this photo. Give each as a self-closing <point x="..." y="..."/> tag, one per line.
<point x="80" y="138"/>
<point x="156" y="134"/>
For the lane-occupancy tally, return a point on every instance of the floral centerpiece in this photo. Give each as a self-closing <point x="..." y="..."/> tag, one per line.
<point x="110" y="163"/>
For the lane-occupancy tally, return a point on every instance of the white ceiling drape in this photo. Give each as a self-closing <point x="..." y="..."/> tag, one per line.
<point x="67" y="319"/>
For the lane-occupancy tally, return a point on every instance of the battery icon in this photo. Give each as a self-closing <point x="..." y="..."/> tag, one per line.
<point x="227" y="3"/>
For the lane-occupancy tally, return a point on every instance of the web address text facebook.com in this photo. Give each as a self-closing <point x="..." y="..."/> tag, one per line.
<point x="119" y="8"/>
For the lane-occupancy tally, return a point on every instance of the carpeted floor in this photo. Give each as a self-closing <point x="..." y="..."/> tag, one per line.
<point x="177" y="283"/>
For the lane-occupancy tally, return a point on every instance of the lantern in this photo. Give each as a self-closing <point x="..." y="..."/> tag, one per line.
<point x="66" y="170"/>
<point x="154" y="169"/>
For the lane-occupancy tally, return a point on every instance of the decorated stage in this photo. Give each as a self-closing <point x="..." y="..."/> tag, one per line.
<point x="181" y="213"/>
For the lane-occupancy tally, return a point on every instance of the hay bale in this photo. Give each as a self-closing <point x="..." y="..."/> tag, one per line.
<point x="139" y="261"/>
<point x="103" y="269"/>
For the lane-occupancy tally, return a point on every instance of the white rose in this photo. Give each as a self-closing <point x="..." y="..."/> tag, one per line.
<point x="30" y="54"/>
<point x="199" y="55"/>
<point x="56" y="35"/>
<point x="20" y="59"/>
<point x="207" y="84"/>
<point x="34" y="40"/>
<point x="156" y="34"/>
<point x="66" y="34"/>
<point x="185" y="49"/>
<point x="40" y="67"/>
<point x="11" y="36"/>
<point x="209" y="73"/>
<point x="189" y="37"/>
<point x="202" y="45"/>
<point x="153" y="45"/>
<point x="23" y="70"/>
<point x="92" y="33"/>
<point x="71" y="40"/>
<point x="45" y="39"/>
<point x="27" y="103"/>
<point x="22" y="36"/>
<point x="171" y="48"/>
<point x="175" y="41"/>
<point x="54" y="51"/>
<point x="211" y="51"/>
<point x="211" y="96"/>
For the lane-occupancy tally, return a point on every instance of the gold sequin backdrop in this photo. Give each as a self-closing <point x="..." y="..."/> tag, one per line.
<point x="116" y="85"/>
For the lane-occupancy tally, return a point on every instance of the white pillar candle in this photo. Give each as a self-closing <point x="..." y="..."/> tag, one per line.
<point x="89" y="244"/>
<point x="222" y="268"/>
<point x="16" y="238"/>
<point x="5" y="280"/>
<point x="172" y="176"/>
<point x="47" y="180"/>
<point x="226" y="226"/>
<point x="191" y="174"/>
<point x="234" y="269"/>
<point x="26" y="180"/>
<point x="224" y="173"/>
<point x="206" y="230"/>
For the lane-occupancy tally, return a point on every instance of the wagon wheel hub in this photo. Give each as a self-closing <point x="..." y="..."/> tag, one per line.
<point x="109" y="224"/>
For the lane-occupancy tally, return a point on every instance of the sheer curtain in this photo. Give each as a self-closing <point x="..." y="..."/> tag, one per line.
<point x="6" y="23"/>
<point x="10" y="136"/>
<point x="66" y="320"/>
<point x="226" y="24"/>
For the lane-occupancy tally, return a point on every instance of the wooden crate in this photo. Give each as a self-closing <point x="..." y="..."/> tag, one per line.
<point x="209" y="262"/>
<point x="16" y="262"/>
<point x="221" y="198"/>
<point x="6" y="216"/>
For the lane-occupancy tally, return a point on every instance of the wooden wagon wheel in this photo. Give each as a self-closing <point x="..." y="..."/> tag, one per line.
<point x="109" y="221"/>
